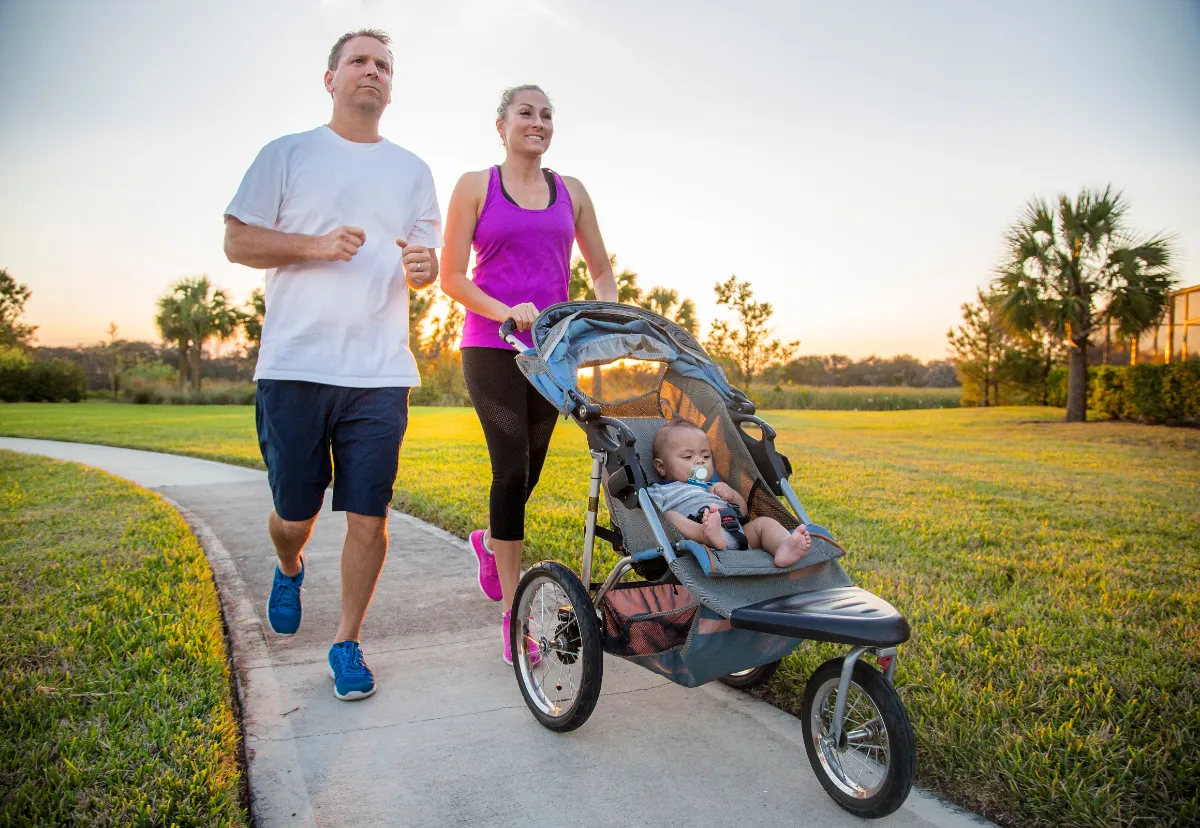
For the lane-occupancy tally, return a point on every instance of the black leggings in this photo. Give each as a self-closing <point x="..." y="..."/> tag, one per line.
<point x="517" y="424"/>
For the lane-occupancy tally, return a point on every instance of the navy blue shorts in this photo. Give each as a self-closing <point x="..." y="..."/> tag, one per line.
<point x="307" y="431"/>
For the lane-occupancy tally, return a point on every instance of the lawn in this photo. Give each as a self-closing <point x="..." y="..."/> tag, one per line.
<point x="115" y="697"/>
<point x="1050" y="573"/>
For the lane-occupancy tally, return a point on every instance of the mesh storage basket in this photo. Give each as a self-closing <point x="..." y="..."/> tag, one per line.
<point x="663" y="628"/>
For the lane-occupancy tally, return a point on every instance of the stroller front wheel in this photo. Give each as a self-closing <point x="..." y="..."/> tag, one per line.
<point x="869" y="769"/>
<point x="556" y="647"/>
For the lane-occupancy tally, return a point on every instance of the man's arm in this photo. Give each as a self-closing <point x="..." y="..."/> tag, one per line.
<point x="262" y="247"/>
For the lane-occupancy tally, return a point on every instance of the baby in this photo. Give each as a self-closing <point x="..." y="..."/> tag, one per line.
<point x="682" y="454"/>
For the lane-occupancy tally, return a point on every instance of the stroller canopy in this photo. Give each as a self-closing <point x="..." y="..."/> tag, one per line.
<point x="573" y="335"/>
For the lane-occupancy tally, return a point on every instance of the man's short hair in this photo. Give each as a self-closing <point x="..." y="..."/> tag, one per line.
<point x="335" y="54"/>
<point x="665" y="431"/>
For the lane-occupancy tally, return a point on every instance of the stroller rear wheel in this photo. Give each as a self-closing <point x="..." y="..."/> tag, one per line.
<point x="749" y="679"/>
<point x="869" y="770"/>
<point x="554" y="614"/>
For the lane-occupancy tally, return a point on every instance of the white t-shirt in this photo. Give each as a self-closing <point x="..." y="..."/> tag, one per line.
<point x="339" y="323"/>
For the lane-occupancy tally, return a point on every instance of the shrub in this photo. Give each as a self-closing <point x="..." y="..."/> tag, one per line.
<point x="24" y="380"/>
<point x="14" y="373"/>
<point x="218" y="392"/>
<point x="1181" y="390"/>
<point x="850" y="398"/>
<point x="1144" y="393"/>
<point x="441" y="383"/>
<point x="149" y="373"/>
<point x="1056" y="387"/>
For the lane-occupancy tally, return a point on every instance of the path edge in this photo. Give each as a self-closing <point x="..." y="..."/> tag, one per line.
<point x="274" y="775"/>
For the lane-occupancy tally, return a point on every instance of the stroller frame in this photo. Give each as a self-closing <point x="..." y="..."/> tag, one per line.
<point x="840" y="614"/>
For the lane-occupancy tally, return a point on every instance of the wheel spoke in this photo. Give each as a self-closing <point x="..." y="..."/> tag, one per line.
<point x="858" y="763"/>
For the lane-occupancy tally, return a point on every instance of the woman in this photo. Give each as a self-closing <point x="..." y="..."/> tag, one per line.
<point x="521" y="220"/>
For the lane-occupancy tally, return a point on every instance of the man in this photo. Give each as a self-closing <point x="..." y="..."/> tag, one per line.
<point x="334" y="215"/>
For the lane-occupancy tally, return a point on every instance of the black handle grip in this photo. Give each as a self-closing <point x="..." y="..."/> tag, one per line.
<point x="506" y="329"/>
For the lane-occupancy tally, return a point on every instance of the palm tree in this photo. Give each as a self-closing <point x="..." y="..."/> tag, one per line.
<point x="252" y="321"/>
<point x="171" y="327"/>
<point x="666" y="302"/>
<point x="1070" y="265"/>
<point x="192" y="313"/>
<point x="212" y="315"/>
<point x="580" y="288"/>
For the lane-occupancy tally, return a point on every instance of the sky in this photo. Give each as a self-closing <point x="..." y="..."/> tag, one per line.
<point x="858" y="163"/>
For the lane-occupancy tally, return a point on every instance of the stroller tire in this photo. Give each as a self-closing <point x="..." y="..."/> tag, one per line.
<point x="870" y="772"/>
<point x="560" y="681"/>
<point x="749" y="679"/>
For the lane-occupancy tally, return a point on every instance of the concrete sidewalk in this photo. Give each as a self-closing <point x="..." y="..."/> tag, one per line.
<point x="447" y="739"/>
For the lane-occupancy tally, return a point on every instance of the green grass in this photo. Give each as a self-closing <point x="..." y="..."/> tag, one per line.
<point x="215" y="432"/>
<point x="115" y="696"/>
<point x="1050" y="573"/>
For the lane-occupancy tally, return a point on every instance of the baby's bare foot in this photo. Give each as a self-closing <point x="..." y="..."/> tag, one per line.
<point x="794" y="548"/>
<point x="713" y="533"/>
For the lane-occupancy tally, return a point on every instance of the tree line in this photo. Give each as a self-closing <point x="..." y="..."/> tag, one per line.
<point x="193" y="314"/>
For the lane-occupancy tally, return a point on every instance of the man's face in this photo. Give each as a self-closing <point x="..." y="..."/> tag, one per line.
<point x="363" y="78"/>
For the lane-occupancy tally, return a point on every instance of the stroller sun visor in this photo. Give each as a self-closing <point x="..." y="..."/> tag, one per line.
<point x="574" y="335"/>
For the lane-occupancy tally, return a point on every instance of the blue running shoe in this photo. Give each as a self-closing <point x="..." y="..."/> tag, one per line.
<point x="352" y="678"/>
<point x="283" y="608"/>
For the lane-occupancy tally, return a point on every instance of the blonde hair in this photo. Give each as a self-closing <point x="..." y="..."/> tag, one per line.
<point x="506" y="98"/>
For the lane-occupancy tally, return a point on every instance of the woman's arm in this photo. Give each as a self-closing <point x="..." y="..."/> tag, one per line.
<point x="461" y="217"/>
<point x="591" y="243"/>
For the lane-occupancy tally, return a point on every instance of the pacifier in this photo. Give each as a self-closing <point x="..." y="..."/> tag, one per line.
<point x="698" y="476"/>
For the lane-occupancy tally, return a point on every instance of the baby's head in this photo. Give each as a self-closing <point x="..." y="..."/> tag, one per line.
<point x="679" y="446"/>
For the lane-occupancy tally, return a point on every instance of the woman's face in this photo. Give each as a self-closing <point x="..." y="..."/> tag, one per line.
<point x="527" y="126"/>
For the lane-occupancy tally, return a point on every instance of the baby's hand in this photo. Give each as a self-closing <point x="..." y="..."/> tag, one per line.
<point x="723" y="491"/>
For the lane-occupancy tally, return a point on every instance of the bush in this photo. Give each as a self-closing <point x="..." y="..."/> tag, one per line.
<point x="1144" y="393"/>
<point x="441" y="383"/>
<point x="14" y="373"/>
<point x="1056" y="388"/>
<point x="24" y="380"/>
<point x="217" y="392"/>
<point x="849" y="398"/>
<point x="149" y="373"/>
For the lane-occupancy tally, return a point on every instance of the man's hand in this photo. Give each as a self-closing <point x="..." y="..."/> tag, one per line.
<point x="339" y="245"/>
<point x="418" y="263"/>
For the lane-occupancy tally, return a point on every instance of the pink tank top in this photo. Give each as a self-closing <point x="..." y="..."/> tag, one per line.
<point x="520" y="256"/>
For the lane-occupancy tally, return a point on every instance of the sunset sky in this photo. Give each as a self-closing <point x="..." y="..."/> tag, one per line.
<point x="857" y="162"/>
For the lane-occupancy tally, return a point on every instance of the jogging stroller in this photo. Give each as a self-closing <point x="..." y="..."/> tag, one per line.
<point x="696" y="614"/>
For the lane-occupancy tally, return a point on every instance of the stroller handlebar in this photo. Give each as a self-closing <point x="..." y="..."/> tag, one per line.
<point x="507" y="331"/>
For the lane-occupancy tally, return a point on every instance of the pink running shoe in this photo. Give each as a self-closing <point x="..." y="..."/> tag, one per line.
<point x="535" y="654"/>
<point x="489" y="580"/>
